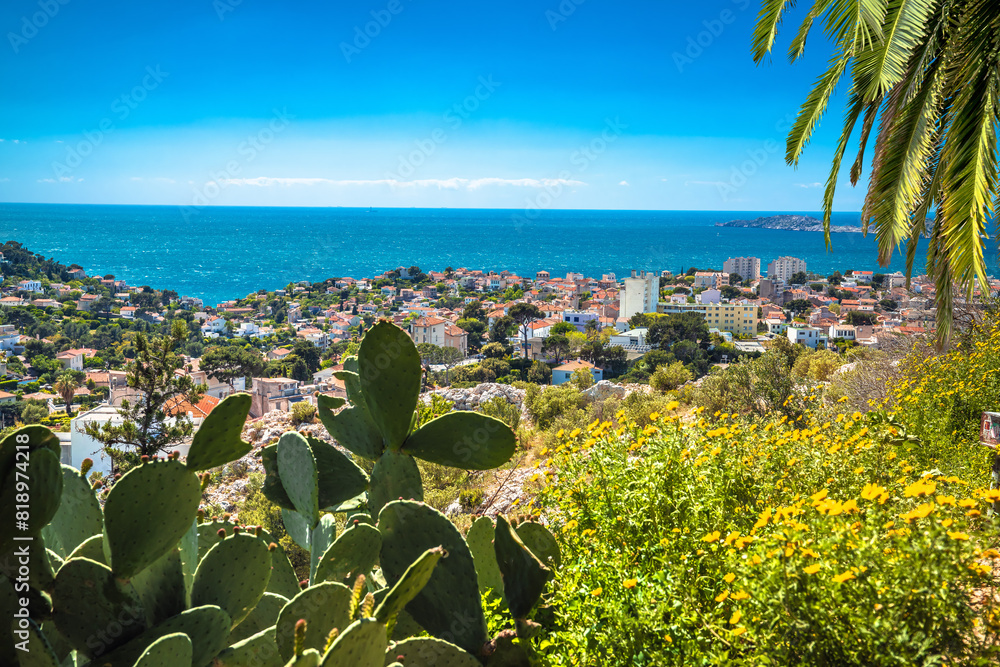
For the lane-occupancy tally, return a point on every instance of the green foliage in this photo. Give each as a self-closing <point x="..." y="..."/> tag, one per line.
<point x="502" y="409"/>
<point x="545" y="406"/>
<point x="303" y="412"/>
<point x="147" y="426"/>
<point x="582" y="378"/>
<point x="670" y="376"/>
<point x="765" y="542"/>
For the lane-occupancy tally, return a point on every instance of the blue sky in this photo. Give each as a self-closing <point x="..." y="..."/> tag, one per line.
<point x="572" y="104"/>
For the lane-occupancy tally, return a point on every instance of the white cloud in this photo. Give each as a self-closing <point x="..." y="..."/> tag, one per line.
<point x="136" y="178"/>
<point x="808" y="185"/>
<point x="441" y="184"/>
<point x="4" y="180"/>
<point x="623" y="183"/>
<point x="61" y="179"/>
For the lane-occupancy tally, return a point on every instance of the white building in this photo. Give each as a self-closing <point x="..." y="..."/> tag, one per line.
<point x="640" y="294"/>
<point x="81" y="446"/>
<point x="9" y="337"/>
<point x="784" y="268"/>
<point x="747" y="267"/>
<point x="30" y="286"/>
<point x="808" y="336"/>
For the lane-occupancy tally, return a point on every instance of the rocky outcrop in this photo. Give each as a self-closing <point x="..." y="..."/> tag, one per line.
<point x="605" y="389"/>
<point x="473" y="397"/>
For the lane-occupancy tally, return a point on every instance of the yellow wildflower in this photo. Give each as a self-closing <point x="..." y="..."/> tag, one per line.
<point x="844" y="576"/>
<point x="812" y="569"/>
<point x="630" y="583"/>
<point x="729" y="578"/>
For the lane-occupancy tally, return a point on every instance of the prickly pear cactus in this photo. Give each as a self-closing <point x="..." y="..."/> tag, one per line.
<point x="233" y="575"/>
<point x="524" y="576"/>
<point x="89" y="602"/>
<point x="147" y="512"/>
<point x="449" y="605"/>
<point x="217" y="441"/>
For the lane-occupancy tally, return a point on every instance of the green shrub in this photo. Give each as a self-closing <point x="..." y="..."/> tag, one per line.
<point x="503" y="410"/>
<point x="670" y="376"/>
<point x="544" y="406"/>
<point x="775" y="542"/>
<point x="582" y="378"/>
<point x="303" y="412"/>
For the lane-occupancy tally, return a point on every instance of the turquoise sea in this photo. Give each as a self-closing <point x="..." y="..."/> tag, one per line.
<point x="219" y="253"/>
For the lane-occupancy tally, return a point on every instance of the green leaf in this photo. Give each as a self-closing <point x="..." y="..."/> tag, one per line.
<point x="299" y="476"/>
<point x="524" y="576"/>
<point x="218" y="440"/>
<point x="390" y="372"/>
<point x="467" y="440"/>
<point x="147" y="512"/>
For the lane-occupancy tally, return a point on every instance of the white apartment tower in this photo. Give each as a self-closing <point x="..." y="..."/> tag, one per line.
<point x="640" y="294"/>
<point x="747" y="267"/>
<point x="784" y="268"/>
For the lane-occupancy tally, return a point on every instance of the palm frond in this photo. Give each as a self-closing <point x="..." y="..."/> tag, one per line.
<point x="812" y="110"/>
<point x="885" y="64"/>
<point x="856" y="106"/>
<point x="766" y="29"/>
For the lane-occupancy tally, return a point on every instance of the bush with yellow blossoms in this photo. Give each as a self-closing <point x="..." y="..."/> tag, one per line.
<point x="716" y="539"/>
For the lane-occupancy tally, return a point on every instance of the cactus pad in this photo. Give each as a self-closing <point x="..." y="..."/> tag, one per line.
<point x="167" y="651"/>
<point x="78" y="517"/>
<point x="352" y="428"/>
<point x="524" y="576"/>
<point x="354" y="552"/>
<point x="161" y="587"/>
<point x="261" y="617"/>
<point x="38" y="437"/>
<point x="147" y="512"/>
<point x="480" y="541"/>
<point x="430" y="652"/>
<point x="450" y="603"/>
<point x="324" y="607"/>
<point x="467" y="440"/>
<point x="339" y="478"/>
<point x="320" y="539"/>
<point x="94" y="611"/>
<point x="272" y="488"/>
<point x="394" y="476"/>
<point x="233" y="575"/>
<point x="541" y="542"/>
<point x="411" y="583"/>
<point x="206" y="627"/>
<point x="361" y="644"/>
<point x="39" y="653"/>
<point x="217" y="441"/>
<point x="258" y="650"/>
<point x="45" y="483"/>
<point x="390" y="372"/>
<point x="283" y="581"/>
<point x="92" y="548"/>
<point x="299" y="476"/>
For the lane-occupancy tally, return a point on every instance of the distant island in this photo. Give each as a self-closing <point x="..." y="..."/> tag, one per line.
<point x="794" y="223"/>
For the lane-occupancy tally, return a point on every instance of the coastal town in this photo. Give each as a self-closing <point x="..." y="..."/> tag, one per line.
<point x="63" y="326"/>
